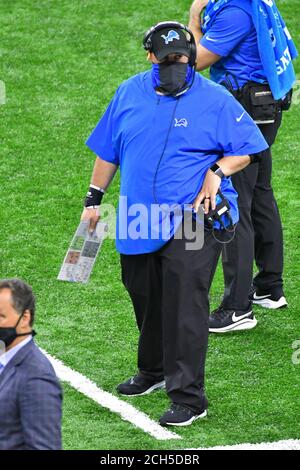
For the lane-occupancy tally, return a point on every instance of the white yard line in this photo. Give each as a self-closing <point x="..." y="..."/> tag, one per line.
<point x="140" y="420"/>
<point x="109" y="401"/>
<point x="290" y="444"/>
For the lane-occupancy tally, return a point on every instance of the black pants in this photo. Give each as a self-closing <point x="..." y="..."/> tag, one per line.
<point x="258" y="234"/>
<point x="169" y="291"/>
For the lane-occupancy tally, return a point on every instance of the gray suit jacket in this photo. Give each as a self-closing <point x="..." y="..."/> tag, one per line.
<point x="30" y="403"/>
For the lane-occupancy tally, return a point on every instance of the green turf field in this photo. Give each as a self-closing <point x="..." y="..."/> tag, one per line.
<point x="61" y="62"/>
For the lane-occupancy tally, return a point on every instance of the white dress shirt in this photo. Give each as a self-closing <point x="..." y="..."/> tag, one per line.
<point x="7" y="356"/>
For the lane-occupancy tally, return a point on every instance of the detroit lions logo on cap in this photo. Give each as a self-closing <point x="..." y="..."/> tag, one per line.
<point x="171" y="36"/>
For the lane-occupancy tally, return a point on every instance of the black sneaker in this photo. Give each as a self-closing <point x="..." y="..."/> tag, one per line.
<point x="272" y="300"/>
<point x="137" y="385"/>
<point x="225" y="321"/>
<point x="180" y="415"/>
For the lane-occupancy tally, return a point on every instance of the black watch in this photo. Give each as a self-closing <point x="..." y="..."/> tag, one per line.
<point x="217" y="170"/>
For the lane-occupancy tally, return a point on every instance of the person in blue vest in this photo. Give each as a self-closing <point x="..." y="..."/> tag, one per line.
<point x="249" y="50"/>
<point x="164" y="128"/>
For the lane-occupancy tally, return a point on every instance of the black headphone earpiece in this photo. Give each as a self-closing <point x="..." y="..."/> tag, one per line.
<point x="147" y="42"/>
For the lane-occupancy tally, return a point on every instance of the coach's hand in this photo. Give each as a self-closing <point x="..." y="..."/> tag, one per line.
<point x="91" y="215"/>
<point x="197" y="7"/>
<point x="208" y="192"/>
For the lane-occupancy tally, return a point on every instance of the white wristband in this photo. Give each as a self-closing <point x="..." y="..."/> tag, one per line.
<point x="97" y="188"/>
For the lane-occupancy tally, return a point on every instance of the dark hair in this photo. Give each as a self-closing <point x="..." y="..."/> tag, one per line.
<point x="22" y="296"/>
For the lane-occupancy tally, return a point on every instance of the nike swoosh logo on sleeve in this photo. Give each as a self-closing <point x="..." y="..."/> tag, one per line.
<point x="208" y="38"/>
<point x="240" y="118"/>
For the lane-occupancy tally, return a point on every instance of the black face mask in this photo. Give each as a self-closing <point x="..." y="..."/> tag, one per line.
<point x="8" y="335"/>
<point x="172" y="76"/>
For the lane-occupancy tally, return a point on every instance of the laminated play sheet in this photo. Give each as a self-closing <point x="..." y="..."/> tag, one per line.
<point x="82" y="253"/>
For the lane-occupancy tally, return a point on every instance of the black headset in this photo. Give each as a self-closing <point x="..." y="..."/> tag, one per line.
<point x="147" y="42"/>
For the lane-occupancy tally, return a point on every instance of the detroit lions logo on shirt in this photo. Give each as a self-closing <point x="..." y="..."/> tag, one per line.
<point x="181" y="122"/>
<point x="171" y="36"/>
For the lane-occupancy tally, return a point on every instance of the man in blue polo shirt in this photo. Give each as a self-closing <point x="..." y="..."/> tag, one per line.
<point x="249" y="50"/>
<point x="165" y="129"/>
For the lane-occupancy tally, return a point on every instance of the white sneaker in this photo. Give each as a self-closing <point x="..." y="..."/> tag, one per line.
<point x="271" y="301"/>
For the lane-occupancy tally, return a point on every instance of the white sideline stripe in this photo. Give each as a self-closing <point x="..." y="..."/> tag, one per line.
<point x="127" y="412"/>
<point x="290" y="444"/>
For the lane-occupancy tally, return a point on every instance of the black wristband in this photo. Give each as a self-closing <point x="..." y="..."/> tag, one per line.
<point x="94" y="197"/>
<point x="217" y="170"/>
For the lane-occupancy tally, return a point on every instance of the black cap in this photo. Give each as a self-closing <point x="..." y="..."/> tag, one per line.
<point x="170" y="41"/>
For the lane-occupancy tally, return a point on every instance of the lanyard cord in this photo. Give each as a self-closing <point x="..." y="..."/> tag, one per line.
<point x="164" y="151"/>
<point x="213" y="231"/>
<point x="157" y="170"/>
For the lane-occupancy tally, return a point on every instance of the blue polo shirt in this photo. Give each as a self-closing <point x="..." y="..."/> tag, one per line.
<point x="204" y="125"/>
<point x="233" y="37"/>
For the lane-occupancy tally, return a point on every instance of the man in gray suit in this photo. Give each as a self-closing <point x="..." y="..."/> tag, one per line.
<point x="30" y="394"/>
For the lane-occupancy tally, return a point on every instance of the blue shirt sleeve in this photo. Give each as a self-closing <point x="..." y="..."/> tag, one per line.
<point x="230" y="27"/>
<point x="102" y="140"/>
<point x="237" y="133"/>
